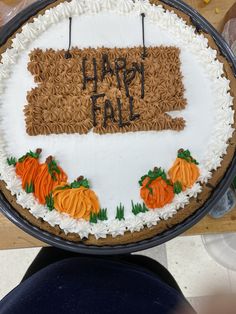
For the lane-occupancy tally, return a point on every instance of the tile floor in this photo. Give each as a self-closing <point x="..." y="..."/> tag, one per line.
<point x="185" y="257"/>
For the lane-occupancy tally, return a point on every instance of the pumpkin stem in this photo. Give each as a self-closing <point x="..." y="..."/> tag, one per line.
<point x="49" y="159"/>
<point x="181" y="150"/>
<point x="38" y="151"/>
<point x="80" y="178"/>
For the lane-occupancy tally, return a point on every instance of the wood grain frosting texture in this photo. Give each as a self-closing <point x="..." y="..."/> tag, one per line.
<point x="217" y="157"/>
<point x="66" y="88"/>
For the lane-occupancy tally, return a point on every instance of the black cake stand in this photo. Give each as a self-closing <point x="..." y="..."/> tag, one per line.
<point x="11" y="213"/>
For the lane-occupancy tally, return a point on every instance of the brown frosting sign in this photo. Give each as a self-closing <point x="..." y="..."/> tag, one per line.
<point x="106" y="90"/>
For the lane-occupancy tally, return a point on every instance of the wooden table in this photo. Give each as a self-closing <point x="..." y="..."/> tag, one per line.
<point x="13" y="237"/>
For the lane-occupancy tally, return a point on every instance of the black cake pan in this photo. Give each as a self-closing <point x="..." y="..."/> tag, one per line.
<point x="6" y="208"/>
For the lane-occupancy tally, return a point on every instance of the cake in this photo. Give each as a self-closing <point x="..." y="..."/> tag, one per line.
<point x="117" y="119"/>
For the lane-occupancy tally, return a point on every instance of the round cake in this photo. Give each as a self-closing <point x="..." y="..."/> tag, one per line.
<point x="116" y="117"/>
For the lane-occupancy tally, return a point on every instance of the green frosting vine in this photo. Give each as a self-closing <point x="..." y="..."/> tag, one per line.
<point x="52" y="168"/>
<point x="186" y="155"/>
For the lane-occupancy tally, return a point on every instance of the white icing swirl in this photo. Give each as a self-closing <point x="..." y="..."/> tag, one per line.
<point x="150" y="218"/>
<point x="181" y="200"/>
<point x="94" y="6"/>
<point x="4" y="71"/>
<point x="78" y="7"/>
<point x="83" y="228"/>
<point x="19" y="41"/>
<point x="68" y="224"/>
<point x="141" y="6"/>
<point x="117" y="227"/>
<point x="53" y="218"/>
<point x="8" y="57"/>
<point x="108" y="4"/>
<point x="38" y="211"/>
<point x="30" y="31"/>
<point x="194" y="191"/>
<point x="125" y="6"/>
<point x="64" y="9"/>
<point x="54" y="16"/>
<point x="100" y="230"/>
<point x="134" y="224"/>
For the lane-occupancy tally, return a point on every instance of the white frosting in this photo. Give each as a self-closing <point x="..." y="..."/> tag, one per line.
<point x="108" y="4"/>
<point x="117" y="227"/>
<point x="125" y="6"/>
<point x="115" y="23"/>
<point x="141" y="6"/>
<point x="94" y="6"/>
<point x="134" y="224"/>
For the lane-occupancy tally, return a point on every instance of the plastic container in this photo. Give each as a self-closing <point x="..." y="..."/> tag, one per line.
<point x="222" y="248"/>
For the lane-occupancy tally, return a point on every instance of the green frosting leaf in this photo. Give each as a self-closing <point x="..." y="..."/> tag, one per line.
<point x="11" y="161"/>
<point x="177" y="187"/>
<point x="77" y="184"/>
<point x="65" y="187"/>
<point x="29" y="188"/>
<point x="30" y="154"/>
<point x="138" y="208"/>
<point x="120" y="212"/>
<point x="102" y="215"/>
<point x="153" y="175"/>
<point x="50" y="202"/>
<point x="186" y="155"/>
<point x="93" y="218"/>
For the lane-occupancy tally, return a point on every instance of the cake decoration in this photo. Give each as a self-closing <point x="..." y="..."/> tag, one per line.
<point x="137" y="95"/>
<point x="27" y="168"/>
<point x="156" y="190"/>
<point x="49" y="175"/>
<point x="120" y="212"/>
<point x="77" y="199"/>
<point x="102" y="216"/>
<point x="103" y="91"/>
<point x="184" y="171"/>
<point x="37" y="178"/>
<point x="138" y="208"/>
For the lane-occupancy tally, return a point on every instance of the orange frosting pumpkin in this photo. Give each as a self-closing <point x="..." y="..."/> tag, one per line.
<point x="49" y="175"/>
<point x="27" y="168"/>
<point x="185" y="170"/>
<point x="77" y="202"/>
<point x="156" y="193"/>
